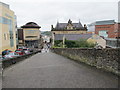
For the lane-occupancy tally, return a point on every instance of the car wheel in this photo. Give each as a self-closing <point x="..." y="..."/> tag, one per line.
<point x="13" y="62"/>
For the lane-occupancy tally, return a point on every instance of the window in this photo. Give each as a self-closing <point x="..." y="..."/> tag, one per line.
<point x="31" y="36"/>
<point x="0" y="19"/>
<point x="103" y="33"/>
<point x="4" y="36"/>
<point x="8" y="36"/>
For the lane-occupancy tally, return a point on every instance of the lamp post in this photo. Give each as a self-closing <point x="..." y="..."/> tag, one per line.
<point x="64" y="41"/>
<point x="53" y="37"/>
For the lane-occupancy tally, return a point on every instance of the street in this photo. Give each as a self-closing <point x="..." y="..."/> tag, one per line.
<point x="0" y="75"/>
<point x="49" y="70"/>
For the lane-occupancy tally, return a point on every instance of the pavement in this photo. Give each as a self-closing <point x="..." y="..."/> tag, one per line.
<point x="0" y="75"/>
<point x="49" y="70"/>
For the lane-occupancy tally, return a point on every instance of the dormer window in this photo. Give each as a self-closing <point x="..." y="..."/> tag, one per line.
<point x="69" y="27"/>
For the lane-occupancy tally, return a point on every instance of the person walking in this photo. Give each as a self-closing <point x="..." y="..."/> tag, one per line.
<point x="46" y="47"/>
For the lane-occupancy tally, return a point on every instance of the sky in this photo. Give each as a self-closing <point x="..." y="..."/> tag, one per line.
<point x="47" y="12"/>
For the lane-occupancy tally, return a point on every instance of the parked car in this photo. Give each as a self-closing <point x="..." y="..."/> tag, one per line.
<point x="22" y="47"/>
<point x="31" y="50"/>
<point x="20" y="51"/>
<point x="6" y="52"/>
<point x="26" y="50"/>
<point x="11" y="55"/>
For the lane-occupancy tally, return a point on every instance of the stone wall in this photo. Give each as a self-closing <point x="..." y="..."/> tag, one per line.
<point x="106" y="59"/>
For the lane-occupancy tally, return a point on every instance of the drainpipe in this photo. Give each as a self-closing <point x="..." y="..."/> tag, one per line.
<point x="63" y="41"/>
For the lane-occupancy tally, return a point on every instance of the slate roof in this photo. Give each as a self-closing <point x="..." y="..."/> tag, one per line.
<point x="62" y="26"/>
<point x="30" y="25"/>
<point x="72" y="36"/>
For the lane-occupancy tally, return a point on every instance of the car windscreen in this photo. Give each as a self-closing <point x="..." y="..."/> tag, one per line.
<point x="17" y="51"/>
<point x="11" y="54"/>
<point x="24" y="49"/>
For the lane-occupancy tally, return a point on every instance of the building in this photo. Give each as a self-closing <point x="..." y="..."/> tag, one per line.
<point x="106" y="28"/>
<point x="96" y="39"/>
<point x="29" y="35"/>
<point x="7" y="28"/>
<point x="117" y="30"/>
<point x="74" y="37"/>
<point x="91" y="27"/>
<point x="112" y="43"/>
<point x="109" y="30"/>
<point x="68" y="31"/>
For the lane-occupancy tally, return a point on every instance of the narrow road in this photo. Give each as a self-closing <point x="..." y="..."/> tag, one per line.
<point x="49" y="70"/>
<point x="0" y="75"/>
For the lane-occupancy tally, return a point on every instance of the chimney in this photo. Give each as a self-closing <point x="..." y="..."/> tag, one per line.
<point x="85" y="26"/>
<point x="52" y="27"/>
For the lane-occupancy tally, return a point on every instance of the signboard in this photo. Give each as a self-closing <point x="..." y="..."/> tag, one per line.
<point x="103" y="33"/>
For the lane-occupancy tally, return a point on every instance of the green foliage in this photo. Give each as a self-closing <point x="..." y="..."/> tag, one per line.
<point x="58" y="43"/>
<point x="74" y="44"/>
<point x="55" y="47"/>
<point x="48" y="33"/>
<point x="70" y="43"/>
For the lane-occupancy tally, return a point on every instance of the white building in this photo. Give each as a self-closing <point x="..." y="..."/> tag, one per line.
<point x="91" y="27"/>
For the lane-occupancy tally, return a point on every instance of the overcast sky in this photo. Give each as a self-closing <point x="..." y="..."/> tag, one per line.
<point x="48" y="12"/>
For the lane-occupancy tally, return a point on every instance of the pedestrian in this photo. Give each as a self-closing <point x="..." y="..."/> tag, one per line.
<point x="48" y="45"/>
<point x="45" y="47"/>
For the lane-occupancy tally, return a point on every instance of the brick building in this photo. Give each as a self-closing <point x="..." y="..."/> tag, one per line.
<point x="117" y="30"/>
<point x="106" y="29"/>
<point x="110" y="30"/>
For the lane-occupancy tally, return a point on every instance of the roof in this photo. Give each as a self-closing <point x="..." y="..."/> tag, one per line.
<point x="62" y="26"/>
<point x="72" y="36"/>
<point x="30" y="25"/>
<point x="105" y="22"/>
<point x="4" y="4"/>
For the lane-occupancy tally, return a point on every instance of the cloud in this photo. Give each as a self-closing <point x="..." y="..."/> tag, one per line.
<point x="47" y="12"/>
<point x="39" y="1"/>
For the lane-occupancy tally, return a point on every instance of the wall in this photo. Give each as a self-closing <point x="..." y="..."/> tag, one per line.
<point x="11" y="61"/>
<point x="69" y="32"/>
<point x="113" y="43"/>
<point x="31" y="32"/>
<point x="117" y="30"/>
<point x="106" y="59"/>
<point x="0" y="30"/>
<point x="7" y="22"/>
<point x="109" y="28"/>
<point x="97" y="39"/>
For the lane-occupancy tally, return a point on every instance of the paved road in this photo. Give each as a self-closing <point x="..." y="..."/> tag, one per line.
<point x="0" y="75"/>
<point x="49" y="70"/>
